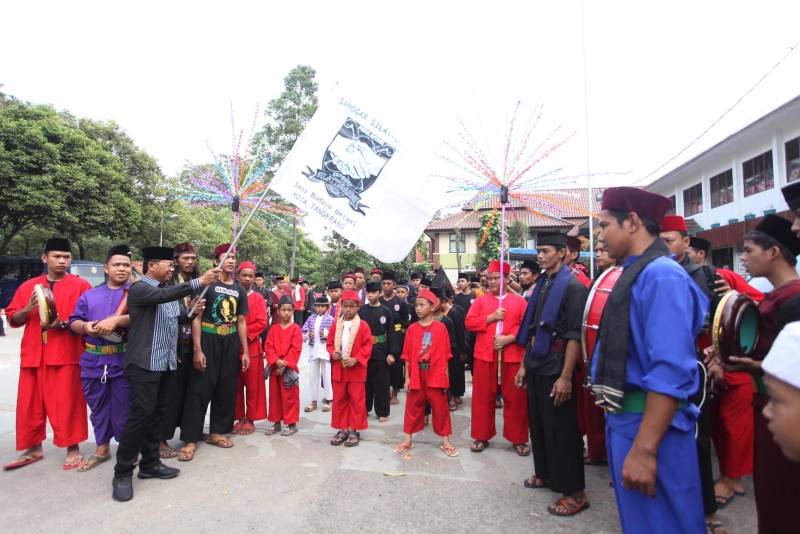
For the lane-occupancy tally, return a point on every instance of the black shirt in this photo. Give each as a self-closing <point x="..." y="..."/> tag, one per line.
<point x="381" y="323"/>
<point x="458" y="338"/>
<point x="464" y="301"/>
<point x="225" y="303"/>
<point x="568" y="326"/>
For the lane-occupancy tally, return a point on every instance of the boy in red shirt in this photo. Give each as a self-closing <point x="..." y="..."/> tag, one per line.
<point x="283" y="346"/>
<point x="427" y="350"/>
<point x="350" y="347"/>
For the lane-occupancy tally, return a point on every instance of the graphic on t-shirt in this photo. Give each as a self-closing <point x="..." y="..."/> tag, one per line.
<point x="223" y="310"/>
<point x="427" y="341"/>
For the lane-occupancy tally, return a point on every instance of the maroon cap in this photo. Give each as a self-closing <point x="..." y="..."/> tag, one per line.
<point x="222" y="249"/>
<point x="574" y="243"/>
<point x="184" y="248"/>
<point x="632" y="199"/>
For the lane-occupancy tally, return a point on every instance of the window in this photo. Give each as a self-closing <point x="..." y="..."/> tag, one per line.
<point x="673" y="209"/>
<point x="693" y="200"/>
<point x="722" y="188"/>
<point x="793" y="160"/>
<point x="462" y="244"/>
<point x="757" y="174"/>
<point x="722" y="258"/>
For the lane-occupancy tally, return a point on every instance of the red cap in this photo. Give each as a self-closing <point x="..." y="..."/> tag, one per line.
<point x="246" y="265"/>
<point x="184" y="248"/>
<point x="673" y="223"/>
<point x="350" y="295"/>
<point x="349" y="275"/>
<point x="573" y="243"/>
<point x="632" y="199"/>
<point x="494" y="267"/>
<point x="428" y="295"/>
<point x="222" y="249"/>
<point x="376" y="270"/>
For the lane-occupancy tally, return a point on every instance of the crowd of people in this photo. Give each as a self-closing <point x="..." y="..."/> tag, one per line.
<point x="651" y="399"/>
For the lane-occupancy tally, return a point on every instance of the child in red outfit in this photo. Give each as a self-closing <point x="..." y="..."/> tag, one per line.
<point x="426" y="351"/>
<point x="350" y="347"/>
<point x="283" y="346"/>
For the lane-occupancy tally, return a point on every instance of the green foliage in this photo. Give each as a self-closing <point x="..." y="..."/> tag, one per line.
<point x="517" y="234"/>
<point x="491" y="246"/>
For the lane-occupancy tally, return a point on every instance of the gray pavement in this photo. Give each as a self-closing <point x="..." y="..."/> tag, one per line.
<point x="271" y="484"/>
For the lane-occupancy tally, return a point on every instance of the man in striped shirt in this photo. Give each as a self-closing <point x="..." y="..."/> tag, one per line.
<point x="152" y="344"/>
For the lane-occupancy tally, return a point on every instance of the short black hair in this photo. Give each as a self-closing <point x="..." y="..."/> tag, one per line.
<point x="652" y="227"/>
<point x="766" y="242"/>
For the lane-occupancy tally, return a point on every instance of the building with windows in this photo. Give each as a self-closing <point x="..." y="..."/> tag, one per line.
<point x="457" y="236"/>
<point x="726" y="190"/>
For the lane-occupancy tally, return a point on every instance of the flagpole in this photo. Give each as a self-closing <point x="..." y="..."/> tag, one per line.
<point x="589" y="192"/>
<point x="499" y="328"/>
<point x="233" y="243"/>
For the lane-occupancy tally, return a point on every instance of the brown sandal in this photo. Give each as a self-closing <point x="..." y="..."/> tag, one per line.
<point x="274" y="429"/>
<point x="339" y="438"/>
<point x="570" y="506"/>
<point x="535" y="483"/>
<point x="479" y="445"/>
<point x="222" y="443"/>
<point x="522" y="449"/>
<point x="352" y="439"/>
<point x="186" y="455"/>
<point x="165" y="453"/>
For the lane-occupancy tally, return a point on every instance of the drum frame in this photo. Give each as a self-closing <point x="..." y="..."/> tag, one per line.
<point x="587" y="308"/>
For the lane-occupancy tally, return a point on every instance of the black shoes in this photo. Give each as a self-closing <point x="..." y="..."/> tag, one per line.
<point x="122" y="488"/>
<point x="159" y="471"/>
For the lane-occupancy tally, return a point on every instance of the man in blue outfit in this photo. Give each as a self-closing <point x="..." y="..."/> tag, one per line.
<point x="644" y="370"/>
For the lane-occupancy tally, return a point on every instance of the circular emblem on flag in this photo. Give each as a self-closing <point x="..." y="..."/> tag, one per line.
<point x="396" y="307"/>
<point x="383" y="319"/>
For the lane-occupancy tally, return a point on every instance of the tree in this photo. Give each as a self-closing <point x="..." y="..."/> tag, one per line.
<point x="518" y="234"/>
<point x="489" y="238"/>
<point x="54" y="175"/>
<point x="287" y="117"/>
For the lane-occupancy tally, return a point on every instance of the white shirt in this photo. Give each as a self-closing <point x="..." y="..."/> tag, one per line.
<point x="346" y="335"/>
<point x="319" y="351"/>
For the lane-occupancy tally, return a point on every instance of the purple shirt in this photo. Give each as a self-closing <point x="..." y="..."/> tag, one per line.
<point x="94" y="305"/>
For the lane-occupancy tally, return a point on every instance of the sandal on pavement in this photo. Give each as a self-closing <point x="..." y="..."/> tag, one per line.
<point x="222" y="443"/>
<point x="339" y="438"/>
<point x="382" y="419"/>
<point x="289" y="430"/>
<point x="715" y="526"/>
<point x="166" y="453"/>
<point x="403" y="448"/>
<point x="568" y="506"/>
<point x="724" y="500"/>
<point x="310" y="408"/>
<point x="535" y="483"/>
<point x="22" y="461"/>
<point x="69" y="465"/>
<point x="449" y="450"/>
<point x="274" y="429"/>
<point x="92" y="461"/>
<point x="479" y="445"/>
<point x="522" y="449"/>
<point x="326" y="406"/>
<point x="352" y="439"/>
<point x="186" y="455"/>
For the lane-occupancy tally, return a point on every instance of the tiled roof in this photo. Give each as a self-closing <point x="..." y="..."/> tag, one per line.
<point x="570" y="204"/>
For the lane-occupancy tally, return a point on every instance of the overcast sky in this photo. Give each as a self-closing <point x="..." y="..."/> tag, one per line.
<point x="657" y="74"/>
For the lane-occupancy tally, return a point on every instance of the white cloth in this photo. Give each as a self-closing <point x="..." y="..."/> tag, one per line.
<point x="345" y="334"/>
<point x="320" y="369"/>
<point x="319" y="351"/>
<point x="782" y="361"/>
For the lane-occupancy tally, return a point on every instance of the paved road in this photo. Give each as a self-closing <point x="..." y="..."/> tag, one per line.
<point x="271" y="484"/>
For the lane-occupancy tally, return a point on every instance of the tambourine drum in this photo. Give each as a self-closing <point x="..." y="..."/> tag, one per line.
<point x="47" y="304"/>
<point x="118" y="335"/>
<point x="593" y="312"/>
<point x="734" y="331"/>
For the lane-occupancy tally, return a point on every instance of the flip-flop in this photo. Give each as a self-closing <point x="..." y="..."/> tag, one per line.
<point x="222" y="443"/>
<point x="522" y="449"/>
<point x="452" y="452"/>
<point x="22" y="461"/>
<point x="247" y="429"/>
<point x="166" y="454"/>
<point x="403" y="448"/>
<point x="186" y="455"/>
<point x="528" y="484"/>
<point x="479" y="445"/>
<point x="572" y="506"/>
<point x="271" y="431"/>
<point x="289" y="430"/>
<point x="724" y="500"/>
<point x="89" y="464"/>
<point x="69" y="466"/>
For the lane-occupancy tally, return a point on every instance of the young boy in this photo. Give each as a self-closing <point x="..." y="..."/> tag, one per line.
<point x="251" y="395"/>
<point x="384" y="346"/>
<point x="350" y="346"/>
<point x="316" y="331"/>
<point x="283" y="348"/>
<point x="427" y="351"/>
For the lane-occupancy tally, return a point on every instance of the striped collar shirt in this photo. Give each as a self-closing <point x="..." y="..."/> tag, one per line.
<point x="165" y="330"/>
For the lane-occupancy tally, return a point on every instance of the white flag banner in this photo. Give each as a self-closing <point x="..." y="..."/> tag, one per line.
<point x="364" y="172"/>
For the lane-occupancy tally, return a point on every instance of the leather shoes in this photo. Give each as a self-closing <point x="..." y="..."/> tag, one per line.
<point x="122" y="488"/>
<point x="159" y="470"/>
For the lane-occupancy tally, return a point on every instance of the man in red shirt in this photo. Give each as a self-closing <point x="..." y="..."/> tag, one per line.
<point x="573" y="253"/>
<point x="49" y="375"/>
<point x="496" y="329"/>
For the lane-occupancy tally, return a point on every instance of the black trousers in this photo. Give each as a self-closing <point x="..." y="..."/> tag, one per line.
<point x="555" y="437"/>
<point x="704" y="459"/>
<point x="298" y="317"/>
<point x="177" y="382"/>
<point x="148" y="390"/>
<point x="377" y="387"/>
<point x="455" y="371"/>
<point x="217" y="385"/>
<point x="397" y="376"/>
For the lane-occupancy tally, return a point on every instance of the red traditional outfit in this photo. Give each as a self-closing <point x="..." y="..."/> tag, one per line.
<point x="283" y="343"/>
<point x="349" y="384"/>
<point x="427" y="385"/>
<point x="484" y="370"/>
<point x="49" y="375"/>
<point x="732" y="414"/>
<point x="252" y="380"/>
<point x="583" y="398"/>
